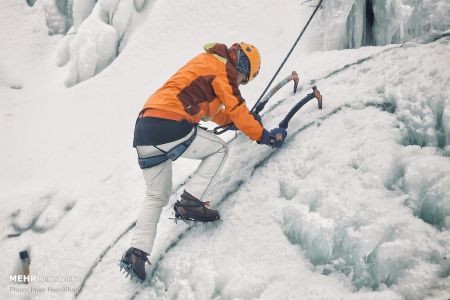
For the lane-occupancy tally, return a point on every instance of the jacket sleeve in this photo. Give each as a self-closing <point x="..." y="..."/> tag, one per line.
<point x="235" y="106"/>
<point x="222" y="118"/>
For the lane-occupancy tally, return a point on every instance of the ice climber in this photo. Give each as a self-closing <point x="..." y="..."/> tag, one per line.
<point x="206" y="88"/>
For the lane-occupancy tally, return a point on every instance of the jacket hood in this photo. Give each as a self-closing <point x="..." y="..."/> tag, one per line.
<point x="219" y="49"/>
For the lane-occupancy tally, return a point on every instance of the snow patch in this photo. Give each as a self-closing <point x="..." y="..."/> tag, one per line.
<point x="38" y="214"/>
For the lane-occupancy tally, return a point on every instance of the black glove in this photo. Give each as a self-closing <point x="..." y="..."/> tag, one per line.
<point x="274" y="138"/>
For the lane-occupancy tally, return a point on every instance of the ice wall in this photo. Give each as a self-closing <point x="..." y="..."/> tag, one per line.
<point x="94" y="32"/>
<point x="58" y="14"/>
<point x="94" y="40"/>
<point x="356" y="23"/>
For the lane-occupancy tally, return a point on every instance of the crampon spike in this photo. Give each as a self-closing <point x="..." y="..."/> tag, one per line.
<point x="193" y="223"/>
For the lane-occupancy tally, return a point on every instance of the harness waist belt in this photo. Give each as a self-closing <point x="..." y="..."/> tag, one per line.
<point x="148" y="162"/>
<point x="172" y="154"/>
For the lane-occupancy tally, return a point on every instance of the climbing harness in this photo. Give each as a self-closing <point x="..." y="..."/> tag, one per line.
<point x="294" y="76"/>
<point x="172" y="154"/>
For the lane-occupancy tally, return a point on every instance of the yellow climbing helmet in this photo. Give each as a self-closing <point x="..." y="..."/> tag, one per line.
<point x="253" y="56"/>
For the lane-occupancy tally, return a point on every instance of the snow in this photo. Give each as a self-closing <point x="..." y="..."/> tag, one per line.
<point x="139" y="4"/>
<point x="55" y="15"/>
<point x="81" y="10"/>
<point x="96" y="38"/>
<point x="355" y="206"/>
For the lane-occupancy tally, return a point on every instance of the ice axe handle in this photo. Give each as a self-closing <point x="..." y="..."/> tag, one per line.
<point x="315" y="94"/>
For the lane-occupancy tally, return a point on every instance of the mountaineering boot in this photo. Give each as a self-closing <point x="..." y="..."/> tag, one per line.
<point x="133" y="261"/>
<point x="190" y="208"/>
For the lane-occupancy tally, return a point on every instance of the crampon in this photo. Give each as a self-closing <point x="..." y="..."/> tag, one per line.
<point x="133" y="264"/>
<point x="191" y="211"/>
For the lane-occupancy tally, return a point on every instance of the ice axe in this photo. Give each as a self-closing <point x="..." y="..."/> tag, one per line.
<point x="260" y="104"/>
<point x="315" y="94"/>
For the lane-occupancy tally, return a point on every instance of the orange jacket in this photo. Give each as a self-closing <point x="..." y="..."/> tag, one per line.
<point x="205" y="89"/>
